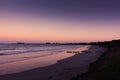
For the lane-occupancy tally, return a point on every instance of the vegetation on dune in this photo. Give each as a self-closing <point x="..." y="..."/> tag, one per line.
<point x="107" y="67"/>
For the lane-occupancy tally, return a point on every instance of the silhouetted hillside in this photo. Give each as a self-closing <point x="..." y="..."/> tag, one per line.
<point x="108" y="44"/>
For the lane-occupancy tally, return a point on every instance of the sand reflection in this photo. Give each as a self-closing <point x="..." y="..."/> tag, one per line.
<point x="30" y="63"/>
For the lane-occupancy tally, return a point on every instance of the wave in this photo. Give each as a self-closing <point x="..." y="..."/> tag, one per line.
<point x="6" y="50"/>
<point x="24" y="53"/>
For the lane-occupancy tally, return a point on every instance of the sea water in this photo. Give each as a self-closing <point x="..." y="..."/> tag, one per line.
<point x="21" y="57"/>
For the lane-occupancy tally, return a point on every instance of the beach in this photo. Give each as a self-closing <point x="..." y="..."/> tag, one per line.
<point x="63" y="69"/>
<point x="107" y="67"/>
<point x="59" y="39"/>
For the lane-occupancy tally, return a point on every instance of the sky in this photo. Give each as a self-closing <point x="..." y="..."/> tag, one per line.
<point x="59" y="20"/>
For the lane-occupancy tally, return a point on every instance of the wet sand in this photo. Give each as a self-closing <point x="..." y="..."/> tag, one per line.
<point x="63" y="70"/>
<point x="22" y="62"/>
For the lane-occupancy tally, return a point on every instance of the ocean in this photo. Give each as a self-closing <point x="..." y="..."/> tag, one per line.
<point x="21" y="57"/>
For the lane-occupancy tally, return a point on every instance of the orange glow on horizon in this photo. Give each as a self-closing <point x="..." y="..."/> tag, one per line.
<point x="37" y="30"/>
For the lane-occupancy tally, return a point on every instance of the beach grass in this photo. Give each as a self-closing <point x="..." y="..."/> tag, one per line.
<point x="107" y="67"/>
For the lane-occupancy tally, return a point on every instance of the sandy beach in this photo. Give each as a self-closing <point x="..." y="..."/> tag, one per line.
<point x="59" y="39"/>
<point x="64" y="69"/>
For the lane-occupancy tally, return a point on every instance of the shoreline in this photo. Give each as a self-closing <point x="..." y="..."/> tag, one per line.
<point x="22" y="62"/>
<point x="64" y="69"/>
<point x="107" y="67"/>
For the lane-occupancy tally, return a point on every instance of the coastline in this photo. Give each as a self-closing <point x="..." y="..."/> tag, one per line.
<point x="107" y="67"/>
<point x="22" y="62"/>
<point x="63" y="70"/>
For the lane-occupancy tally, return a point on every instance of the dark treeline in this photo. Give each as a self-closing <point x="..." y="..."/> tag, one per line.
<point x="107" y="44"/>
<point x="49" y="43"/>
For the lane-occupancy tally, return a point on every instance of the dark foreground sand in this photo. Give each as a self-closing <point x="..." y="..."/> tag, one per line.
<point x="63" y="70"/>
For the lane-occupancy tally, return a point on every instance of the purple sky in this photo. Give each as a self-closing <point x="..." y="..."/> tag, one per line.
<point x="59" y="20"/>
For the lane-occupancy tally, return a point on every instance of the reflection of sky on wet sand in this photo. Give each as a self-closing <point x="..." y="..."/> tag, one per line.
<point x="22" y="65"/>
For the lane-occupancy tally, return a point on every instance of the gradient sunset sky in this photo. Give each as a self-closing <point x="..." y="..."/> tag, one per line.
<point x="59" y="20"/>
